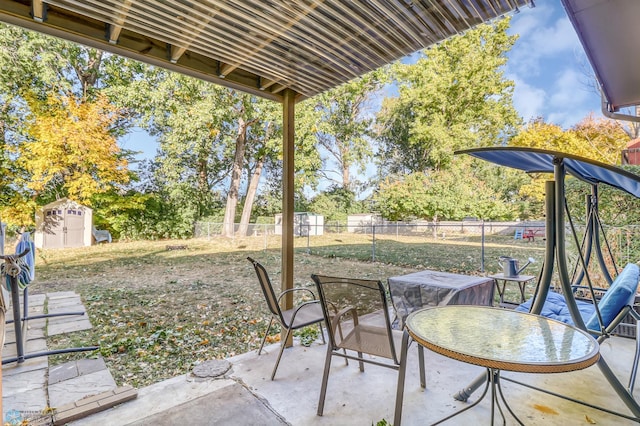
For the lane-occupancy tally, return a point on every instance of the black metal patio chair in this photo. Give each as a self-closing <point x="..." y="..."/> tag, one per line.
<point x="304" y="314"/>
<point x="358" y="323"/>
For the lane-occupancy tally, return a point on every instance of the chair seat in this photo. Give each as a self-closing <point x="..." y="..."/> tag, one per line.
<point x="307" y="315"/>
<point x="372" y="340"/>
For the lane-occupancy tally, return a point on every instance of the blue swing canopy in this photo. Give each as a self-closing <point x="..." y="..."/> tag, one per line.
<point x="533" y="160"/>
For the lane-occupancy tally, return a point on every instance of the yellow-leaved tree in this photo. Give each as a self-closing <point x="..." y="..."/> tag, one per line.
<point x="71" y="151"/>
<point x="602" y="139"/>
<point x="596" y="139"/>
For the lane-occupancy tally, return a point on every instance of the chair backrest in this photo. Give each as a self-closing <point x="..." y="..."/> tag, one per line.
<point x="267" y="288"/>
<point x="621" y="293"/>
<point x="369" y="299"/>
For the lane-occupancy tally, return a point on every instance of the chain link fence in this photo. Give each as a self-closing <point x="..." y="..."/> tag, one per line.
<point x="465" y="247"/>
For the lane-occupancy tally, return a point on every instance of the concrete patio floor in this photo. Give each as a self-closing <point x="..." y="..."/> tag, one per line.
<point x="239" y="390"/>
<point x="245" y="394"/>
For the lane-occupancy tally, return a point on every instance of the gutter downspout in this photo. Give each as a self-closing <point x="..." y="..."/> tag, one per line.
<point x="605" y="106"/>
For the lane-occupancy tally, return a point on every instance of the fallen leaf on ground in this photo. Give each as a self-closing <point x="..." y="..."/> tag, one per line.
<point x="545" y="409"/>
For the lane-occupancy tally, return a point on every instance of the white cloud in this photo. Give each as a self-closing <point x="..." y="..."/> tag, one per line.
<point x="565" y="101"/>
<point x="567" y="88"/>
<point x="550" y="68"/>
<point x="544" y="32"/>
<point x="569" y="100"/>
<point x="529" y="101"/>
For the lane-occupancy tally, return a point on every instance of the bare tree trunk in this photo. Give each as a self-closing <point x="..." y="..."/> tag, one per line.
<point x="234" y="185"/>
<point x="346" y="178"/>
<point x="89" y="76"/>
<point x="435" y="228"/>
<point x="251" y="195"/>
<point x="345" y="164"/>
<point x="203" y="183"/>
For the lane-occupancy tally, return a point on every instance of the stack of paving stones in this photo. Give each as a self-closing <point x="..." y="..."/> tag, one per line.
<point x="74" y="389"/>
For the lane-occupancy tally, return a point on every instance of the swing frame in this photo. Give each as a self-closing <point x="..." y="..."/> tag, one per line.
<point x="594" y="173"/>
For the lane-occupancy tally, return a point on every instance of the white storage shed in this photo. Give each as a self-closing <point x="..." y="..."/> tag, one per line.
<point x="303" y="224"/>
<point x="63" y="223"/>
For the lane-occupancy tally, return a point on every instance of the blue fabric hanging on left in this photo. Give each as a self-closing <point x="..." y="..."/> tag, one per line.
<point x="27" y="262"/>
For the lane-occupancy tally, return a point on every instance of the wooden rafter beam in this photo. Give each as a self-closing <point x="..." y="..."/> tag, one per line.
<point x="37" y="10"/>
<point x="116" y="28"/>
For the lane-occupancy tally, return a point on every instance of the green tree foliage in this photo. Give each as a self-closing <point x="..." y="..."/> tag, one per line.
<point x="308" y="163"/>
<point x="440" y="194"/>
<point x="193" y="125"/>
<point x="506" y="184"/>
<point x="616" y="207"/>
<point x="455" y="96"/>
<point x="212" y="140"/>
<point x="344" y="125"/>
<point x="336" y="204"/>
<point x="133" y="215"/>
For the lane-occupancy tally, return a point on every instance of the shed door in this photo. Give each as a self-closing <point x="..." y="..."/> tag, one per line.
<point x="74" y="221"/>
<point x="53" y="228"/>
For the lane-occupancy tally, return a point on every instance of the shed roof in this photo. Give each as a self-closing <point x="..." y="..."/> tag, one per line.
<point x="633" y="143"/>
<point x="64" y="202"/>
<point x="259" y="46"/>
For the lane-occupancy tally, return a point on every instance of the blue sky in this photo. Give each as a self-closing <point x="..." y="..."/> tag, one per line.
<point x="552" y="75"/>
<point x="553" y="78"/>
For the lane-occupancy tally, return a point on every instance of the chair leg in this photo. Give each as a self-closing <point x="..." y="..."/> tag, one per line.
<point x="324" y="342"/>
<point x="360" y="362"/>
<point x="283" y="343"/>
<point x="325" y="379"/>
<point x="397" y="417"/>
<point x="265" y="336"/>
<point x="636" y="358"/>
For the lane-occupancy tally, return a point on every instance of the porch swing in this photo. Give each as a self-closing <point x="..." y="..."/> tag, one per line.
<point x="602" y="316"/>
<point x="614" y="304"/>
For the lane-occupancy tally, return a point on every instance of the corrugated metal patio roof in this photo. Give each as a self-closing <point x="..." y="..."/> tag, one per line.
<point x="259" y="46"/>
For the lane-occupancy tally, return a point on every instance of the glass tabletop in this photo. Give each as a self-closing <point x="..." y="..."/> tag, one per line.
<point x="503" y="339"/>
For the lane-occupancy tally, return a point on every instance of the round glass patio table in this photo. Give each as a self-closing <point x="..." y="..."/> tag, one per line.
<point x="501" y="339"/>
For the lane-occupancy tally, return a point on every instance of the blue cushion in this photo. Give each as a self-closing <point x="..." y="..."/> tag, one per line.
<point x="555" y="307"/>
<point x="621" y="292"/>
